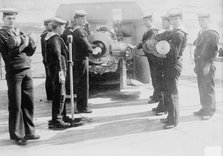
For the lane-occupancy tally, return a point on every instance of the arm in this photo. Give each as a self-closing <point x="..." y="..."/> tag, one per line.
<point x="211" y="47"/>
<point x="56" y="48"/>
<point x="83" y="42"/>
<point x="178" y="43"/>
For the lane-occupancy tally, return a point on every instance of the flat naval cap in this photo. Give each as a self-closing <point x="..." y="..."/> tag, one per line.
<point x="59" y="21"/>
<point x="165" y="17"/>
<point x="203" y="15"/>
<point x="47" y="20"/>
<point x="147" y="15"/>
<point x="80" y="13"/>
<point x="9" y="11"/>
<point x="174" y="12"/>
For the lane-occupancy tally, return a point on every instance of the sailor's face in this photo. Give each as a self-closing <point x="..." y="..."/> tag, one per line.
<point x="147" y="22"/>
<point x="49" y="26"/>
<point x="61" y="29"/>
<point x="203" y="22"/>
<point x="165" y="24"/>
<point x="175" y="21"/>
<point x="9" y="20"/>
<point x="81" y="21"/>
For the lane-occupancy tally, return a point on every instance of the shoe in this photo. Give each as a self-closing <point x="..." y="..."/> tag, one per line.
<point x="61" y="125"/>
<point x="153" y="101"/>
<point x="199" y="113"/>
<point x="158" y="113"/>
<point x="163" y="120"/>
<point x="21" y="142"/>
<point x="76" y="123"/>
<point x="83" y="111"/>
<point x="50" y="124"/>
<point x="206" y="117"/>
<point x="169" y="126"/>
<point x="67" y="119"/>
<point x="32" y="137"/>
<point x="154" y="109"/>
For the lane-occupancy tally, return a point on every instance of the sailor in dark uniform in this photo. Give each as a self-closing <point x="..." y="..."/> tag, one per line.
<point x="150" y="34"/>
<point x="56" y="61"/>
<point x="204" y="55"/>
<point x="81" y="49"/>
<point x="16" y="49"/>
<point x="48" y="82"/>
<point x="162" y="108"/>
<point x="173" y="67"/>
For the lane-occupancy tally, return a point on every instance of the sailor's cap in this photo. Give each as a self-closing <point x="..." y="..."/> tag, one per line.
<point x="147" y="15"/>
<point x="203" y="15"/>
<point x="45" y="21"/>
<point x="80" y="13"/>
<point x="58" y="20"/>
<point x="174" y="12"/>
<point x="9" y="11"/>
<point x="165" y="17"/>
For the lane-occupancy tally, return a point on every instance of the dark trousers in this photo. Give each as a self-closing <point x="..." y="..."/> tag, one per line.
<point x="206" y="89"/>
<point x="48" y="85"/>
<point x="58" y="103"/>
<point x="172" y="71"/>
<point x="80" y="84"/>
<point x="20" y="96"/>
<point x="156" y="75"/>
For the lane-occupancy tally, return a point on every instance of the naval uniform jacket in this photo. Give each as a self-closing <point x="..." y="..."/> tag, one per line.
<point x="43" y="48"/>
<point x="177" y="40"/>
<point x="149" y="34"/>
<point x="206" y="48"/>
<point x="13" y="58"/>
<point x="81" y="45"/>
<point x="56" y="56"/>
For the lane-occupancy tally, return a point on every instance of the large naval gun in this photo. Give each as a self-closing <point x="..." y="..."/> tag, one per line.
<point x="113" y="25"/>
<point x="109" y="66"/>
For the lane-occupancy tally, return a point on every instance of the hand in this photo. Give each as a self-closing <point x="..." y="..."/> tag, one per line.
<point x="131" y="46"/>
<point x="195" y="70"/>
<point x="25" y="40"/>
<point x="61" y="77"/>
<point x="158" y="55"/>
<point x="206" y="69"/>
<point x="97" y="50"/>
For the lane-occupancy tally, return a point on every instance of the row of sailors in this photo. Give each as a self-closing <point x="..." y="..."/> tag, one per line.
<point x="165" y="69"/>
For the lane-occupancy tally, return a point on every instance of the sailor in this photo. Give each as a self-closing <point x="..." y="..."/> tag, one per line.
<point x="173" y="66"/>
<point x="147" y="44"/>
<point x="48" y="82"/>
<point x="162" y="36"/>
<point x="56" y="61"/>
<point x="16" y="49"/>
<point x="81" y="49"/>
<point x="205" y="54"/>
